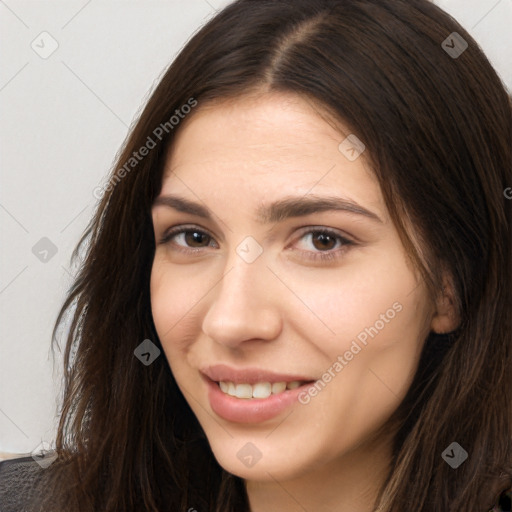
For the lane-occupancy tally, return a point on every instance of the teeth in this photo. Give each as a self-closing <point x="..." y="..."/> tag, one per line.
<point x="261" y="390"/>
<point x="278" y="387"/>
<point x="243" y="391"/>
<point x="258" y="390"/>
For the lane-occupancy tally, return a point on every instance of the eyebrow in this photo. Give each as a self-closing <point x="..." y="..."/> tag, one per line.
<point x="277" y="211"/>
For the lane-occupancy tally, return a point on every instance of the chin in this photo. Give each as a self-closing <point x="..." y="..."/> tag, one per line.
<point x="260" y="461"/>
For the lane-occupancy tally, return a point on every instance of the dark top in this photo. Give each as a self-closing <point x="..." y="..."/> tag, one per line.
<point x="18" y="483"/>
<point x="19" y="480"/>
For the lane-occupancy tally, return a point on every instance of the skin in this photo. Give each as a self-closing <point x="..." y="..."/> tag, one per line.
<point x="285" y="311"/>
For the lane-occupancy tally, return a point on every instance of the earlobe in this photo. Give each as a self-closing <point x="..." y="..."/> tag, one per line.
<point x="446" y="316"/>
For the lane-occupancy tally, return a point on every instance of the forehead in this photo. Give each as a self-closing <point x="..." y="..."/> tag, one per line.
<point x="271" y="125"/>
<point x="265" y="146"/>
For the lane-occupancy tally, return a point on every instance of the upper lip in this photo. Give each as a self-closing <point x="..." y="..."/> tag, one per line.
<point x="225" y="373"/>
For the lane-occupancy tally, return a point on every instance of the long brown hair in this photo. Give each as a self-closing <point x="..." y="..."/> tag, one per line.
<point x="437" y="128"/>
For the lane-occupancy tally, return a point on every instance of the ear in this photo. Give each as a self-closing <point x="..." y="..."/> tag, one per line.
<point x="446" y="318"/>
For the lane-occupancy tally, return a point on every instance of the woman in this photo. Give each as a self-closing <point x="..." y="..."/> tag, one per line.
<point x="297" y="287"/>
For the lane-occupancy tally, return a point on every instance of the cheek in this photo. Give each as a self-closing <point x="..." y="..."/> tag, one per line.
<point x="173" y="299"/>
<point x="371" y="300"/>
<point x="368" y="364"/>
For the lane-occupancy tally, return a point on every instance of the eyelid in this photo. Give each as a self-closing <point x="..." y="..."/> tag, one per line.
<point x="184" y="228"/>
<point x="175" y="230"/>
<point x="305" y="230"/>
<point x="331" y="254"/>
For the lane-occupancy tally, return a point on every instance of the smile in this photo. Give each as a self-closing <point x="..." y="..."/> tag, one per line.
<point x="259" y="390"/>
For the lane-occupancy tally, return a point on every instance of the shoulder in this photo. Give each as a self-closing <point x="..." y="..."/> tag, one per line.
<point x="19" y="481"/>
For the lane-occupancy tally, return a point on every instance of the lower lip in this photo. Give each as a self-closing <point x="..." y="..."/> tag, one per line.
<point x="255" y="410"/>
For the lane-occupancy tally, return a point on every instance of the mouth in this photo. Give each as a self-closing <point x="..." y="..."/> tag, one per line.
<point x="242" y="402"/>
<point x="251" y="394"/>
<point x="259" y="390"/>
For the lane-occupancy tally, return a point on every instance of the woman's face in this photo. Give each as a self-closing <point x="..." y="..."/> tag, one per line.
<point x="290" y="273"/>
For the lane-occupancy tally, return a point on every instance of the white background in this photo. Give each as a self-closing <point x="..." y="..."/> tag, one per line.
<point x="62" y="121"/>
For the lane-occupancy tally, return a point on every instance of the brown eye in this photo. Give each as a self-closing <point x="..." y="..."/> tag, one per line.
<point x="187" y="237"/>
<point x="324" y="244"/>
<point x="323" y="241"/>
<point x="196" y="238"/>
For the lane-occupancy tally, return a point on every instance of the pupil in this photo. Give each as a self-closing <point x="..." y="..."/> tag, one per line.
<point x="193" y="237"/>
<point x="323" y="239"/>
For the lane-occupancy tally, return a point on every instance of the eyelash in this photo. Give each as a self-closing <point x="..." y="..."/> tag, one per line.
<point x="329" y="255"/>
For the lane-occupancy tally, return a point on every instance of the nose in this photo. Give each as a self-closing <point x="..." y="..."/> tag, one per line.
<point x="243" y="306"/>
